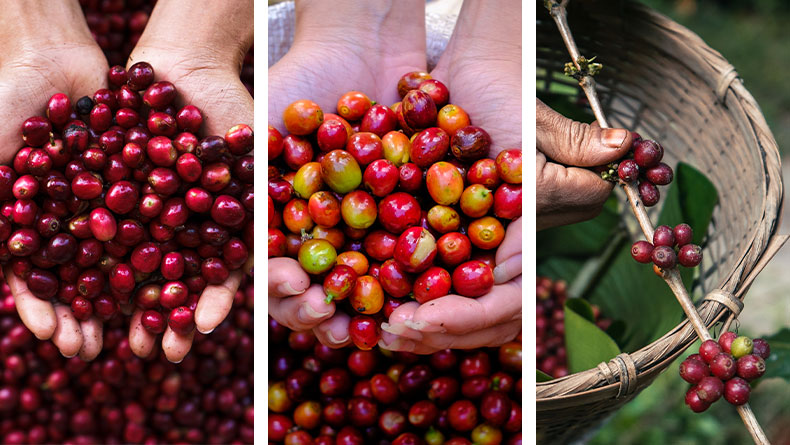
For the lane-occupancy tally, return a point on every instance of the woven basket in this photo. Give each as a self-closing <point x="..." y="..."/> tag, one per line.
<point x="663" y="81"/>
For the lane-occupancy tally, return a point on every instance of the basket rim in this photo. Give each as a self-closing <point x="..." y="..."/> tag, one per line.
<point x="764" y="241"/>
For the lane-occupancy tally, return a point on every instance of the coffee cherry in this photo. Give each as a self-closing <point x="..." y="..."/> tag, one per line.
<point x="648" y="193"/>
<point x="693" y="371"/>
<point x="663" y="236"/>
<point x="694" y="402"/>
<point x="761" y="348"/>
<point x="708" y="350"/>
<point x="726" y="339"/>
<point x="690" y="255"/>
<point x="642" y="251"/>
<point x="664" y="257"/>
<point x="736" y="391"/>
<point x="648" y="153"/>
<point x="750" y="367"/>
<point x="628" y="170"/>
<point x="660" y="175"/>
<point x="710" y="389"/>
<point x="683" y="234"/>
<point x="741" y="346"/>
<point x="723" y="366"/>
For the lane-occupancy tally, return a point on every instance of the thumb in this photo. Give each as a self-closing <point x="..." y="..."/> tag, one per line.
<point x="578" y="144"/>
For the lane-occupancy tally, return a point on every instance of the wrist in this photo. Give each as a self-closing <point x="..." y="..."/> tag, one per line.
<point x="208" y="32"/>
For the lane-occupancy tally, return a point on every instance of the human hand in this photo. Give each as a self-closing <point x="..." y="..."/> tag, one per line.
<point x="338" y="47"/>
<point x="36" y="65"/>
<point x="205" y="67"/>
<point x="566" y="193"/>
<point x="483" y="73"/>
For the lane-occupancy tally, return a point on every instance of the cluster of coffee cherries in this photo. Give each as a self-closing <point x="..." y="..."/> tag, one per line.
<point x="323" y="396"/>
<point x="671" y="246"/>
<point x="550" y="352"/>
<point x="385" y="203"/>
<point x="724" y="368"/>
<point x="115" y="201"/>
<point x="644" y="165"/>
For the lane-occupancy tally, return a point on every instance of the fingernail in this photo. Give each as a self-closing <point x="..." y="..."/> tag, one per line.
<point x="501" y="273"/>
<point x="307" y="314"/>
<point x="424" y="326"/>
<point x="613" y="137"/>
<point x="335" y="341"/>
<point x="400" y="330"/>
<point x="206" y="332"/>
<point x="399" y="345"/>
<point x="285" y="288"/>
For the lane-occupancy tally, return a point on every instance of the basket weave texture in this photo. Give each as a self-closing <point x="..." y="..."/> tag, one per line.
<point x="663" y="81"/>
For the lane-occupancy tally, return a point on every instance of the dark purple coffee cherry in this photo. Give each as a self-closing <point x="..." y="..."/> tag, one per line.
<point x="761" y="348"/>
<point x="628" y="171"/>
<point x="709" y="349"/>
<point x="641" y="251"/>
<point x="663" y="236"/>
<point x="750" y="367"/>
<point x="690" y="255"/>
<point x="683" y="234"/>
<point x="648" y="193"/>
<point x="736" y="391"/>
<point x="710" y="389"/>
<point x="664" y="257"/>
<point x="693" y="371"/>
<point x="694" y="402"/>
<point x="661" y="174"/>
<point x="648" y="153"/>
<point x="723" y="366"/>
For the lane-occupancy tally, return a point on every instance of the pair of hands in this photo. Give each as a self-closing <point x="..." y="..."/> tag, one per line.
<point x="53" y="52"/>
<point x="347" y="45"/>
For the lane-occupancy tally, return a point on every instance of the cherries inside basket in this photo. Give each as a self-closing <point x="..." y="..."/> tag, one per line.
<point x="381" y="204"/>
<point x="115" y="201"/>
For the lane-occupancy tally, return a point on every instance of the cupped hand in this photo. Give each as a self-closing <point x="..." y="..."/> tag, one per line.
<point x="567" y="192"/>
<point x="205" y="67"/>
<point x="338" y="47"/>
<point x="36" y="65"/>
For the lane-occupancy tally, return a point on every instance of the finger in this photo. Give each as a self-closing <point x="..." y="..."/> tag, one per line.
<point x="140" y="340"/>
<point x="508" y="255"/>
<point x="397" y="322"/>
<point x="575" y="143"/>
<point x="493" y="336"/>
<point x="334" y="332"/>
<point x="68" y="335"/>
<point x="176" y="346"/>
<point x="37" y="314"/>
<point x="454" y="314"/>
<point x="286" y="278"/>
<point x="568" y="190"/>
<point x="92" y="339"/>
<point x="215" y="303"/>
<point x="302" y="312"/>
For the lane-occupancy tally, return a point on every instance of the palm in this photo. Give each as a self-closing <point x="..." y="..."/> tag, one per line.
<point x="27" y="83"/>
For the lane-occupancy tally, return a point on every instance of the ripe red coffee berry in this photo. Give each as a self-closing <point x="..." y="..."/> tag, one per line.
<point x="473" y="279"/>
<point x="683" y="234"/>
<point x="240" y="139"/>
<point x="628" y="170"/>
<point x="181" y="320"/>
<point x="364" y="331"/>
<point x="723" y="366"/>
<point x="664" y="257"/>
<point x="693" y="371"/>
<point x="429" y="146"/>
<point x="737" y="391"/>
<point x="648" y="193"/>
<point x="648" y="153"/>
<point x="432" y="284"/>
<point x="661" y="174"/>
<point x="708" y="350"/>
<point x="189" y="119"/>
<point x="159" y="95"/>
<point x="153" y="321"/>
<point x="761" y="348"/>
<point x="471" y="143"/>
<point x="663" y="236"/>
<point x="339" y="283"/>
<point x="36" y="131"/>
<point x="398" y="211"/>
<point x="710" y="389"/>
<point x="694" y="402"/>
<point x="690" y="255"/>
<point x="725" y="340"/>
<point x="418" y="109"/>
<point x="415" y="249"/>
<point x="642" y="251"/>
<point x="750" y="367"/>
<point x="140" y="76"/>
<point x="59" y="109"/>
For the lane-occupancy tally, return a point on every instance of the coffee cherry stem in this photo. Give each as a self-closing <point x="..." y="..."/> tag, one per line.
<point x="671" y="276"/>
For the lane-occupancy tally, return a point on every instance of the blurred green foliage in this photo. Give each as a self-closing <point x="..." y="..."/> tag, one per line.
<point x="752" y="36"/>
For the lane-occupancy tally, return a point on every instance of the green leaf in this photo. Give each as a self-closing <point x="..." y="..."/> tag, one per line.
<point x="560" y="268"/>
<point x="586" y="344"/>
<point x="778" y="363"/>
<point x="543" y="377"/>
<point x="581" y="239"/>
<point x="581" y="307"/>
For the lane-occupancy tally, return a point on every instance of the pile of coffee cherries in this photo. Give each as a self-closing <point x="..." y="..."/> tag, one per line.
<point x="120" y="398"/>
<point x="550" y="353"/>
<point x="324" y="396"/>
<point x="644" y="165"/>
<point x="114" y="201"/>
<point x="724" y="368"/>
<point x="385" y="203"/>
